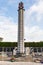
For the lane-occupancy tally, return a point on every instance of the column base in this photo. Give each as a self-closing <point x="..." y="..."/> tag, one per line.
<point x="20" y="54"/>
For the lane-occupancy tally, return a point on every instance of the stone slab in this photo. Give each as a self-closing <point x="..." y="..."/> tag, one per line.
<point x="18" y="63"/>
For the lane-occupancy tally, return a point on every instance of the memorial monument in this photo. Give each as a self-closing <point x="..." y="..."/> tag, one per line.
<point x="21" y="28"/>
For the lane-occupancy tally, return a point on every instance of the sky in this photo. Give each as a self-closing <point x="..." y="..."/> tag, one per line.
<point x="33" y="20"/>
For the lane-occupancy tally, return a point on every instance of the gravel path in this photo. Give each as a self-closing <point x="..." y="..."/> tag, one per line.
<point x="18" y="63"/>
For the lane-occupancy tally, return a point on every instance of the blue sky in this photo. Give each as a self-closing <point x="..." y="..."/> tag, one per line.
<point x="10" y="7"/>
<point x="33" y="20"/>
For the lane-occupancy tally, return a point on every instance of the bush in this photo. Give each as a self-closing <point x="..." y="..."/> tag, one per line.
<point x="26" y="44"/>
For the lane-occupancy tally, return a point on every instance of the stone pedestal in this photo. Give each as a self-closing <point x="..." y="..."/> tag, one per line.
<point x="27" y="50"/>
<point x="14" y="52"/>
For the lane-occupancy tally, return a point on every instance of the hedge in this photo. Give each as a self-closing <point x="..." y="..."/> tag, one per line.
<point x="8" y="44"/>
<point x="34" y="44"/>
<point x="26" y="44"/>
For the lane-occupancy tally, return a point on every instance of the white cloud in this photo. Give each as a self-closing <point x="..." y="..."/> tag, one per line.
<point x="8" y="29"/>
<point x="36" y="34"/>
<point x="35" y="8"/>
<point x="34" y="15"/>
<point x="33" y="34"/>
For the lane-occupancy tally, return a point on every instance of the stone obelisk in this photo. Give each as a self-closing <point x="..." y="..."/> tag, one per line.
<point x="21" y="28"/>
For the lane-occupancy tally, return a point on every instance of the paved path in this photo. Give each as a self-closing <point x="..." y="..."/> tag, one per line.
<point x="18" y="63"/>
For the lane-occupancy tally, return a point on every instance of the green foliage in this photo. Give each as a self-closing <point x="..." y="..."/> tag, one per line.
<point x="33" y="44"/>
<point x="8" y="44"/>
<point x="26" y="44"/>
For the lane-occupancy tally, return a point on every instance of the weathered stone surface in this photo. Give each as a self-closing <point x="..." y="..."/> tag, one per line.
<point x="18" y="63"/>
<point x="21" y="28"/>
